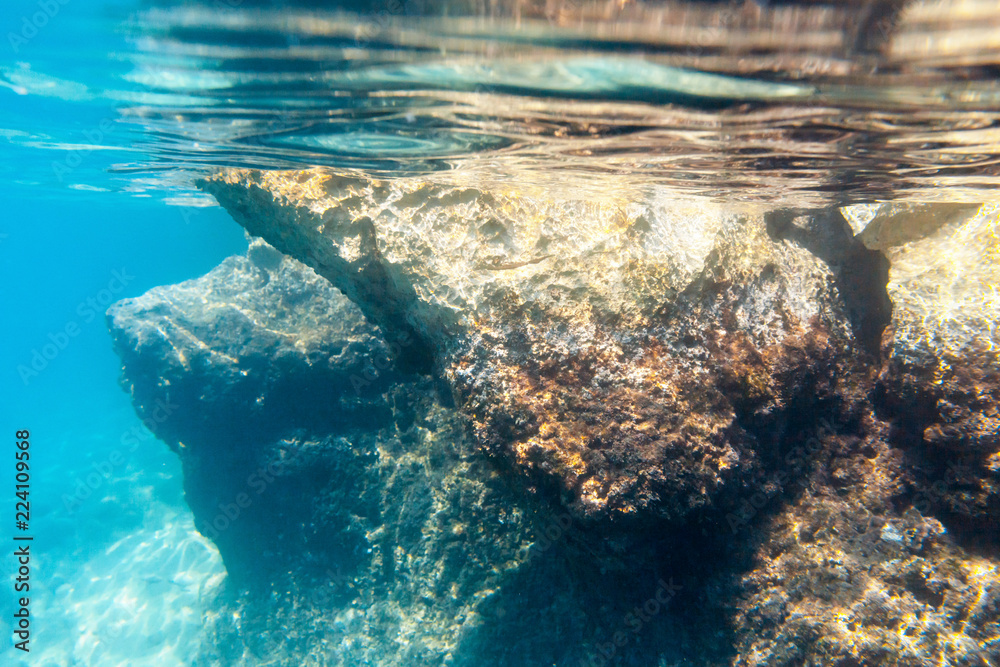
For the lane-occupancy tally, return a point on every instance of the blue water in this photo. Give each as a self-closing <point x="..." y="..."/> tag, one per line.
<point x="98" y="476"/>
<point x="100" y="130"/>
<point x="111" y="531"/>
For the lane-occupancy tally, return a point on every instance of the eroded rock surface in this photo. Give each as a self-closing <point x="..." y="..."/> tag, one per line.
<point x="357" y="519"/>
<point x="607" y="351"/>
<point x="237" y="371"/>
<point x="546" y="432"/>
<point x="312" y="462"/>
<point x="840" y="576"/>
<point x="941" y="383"/>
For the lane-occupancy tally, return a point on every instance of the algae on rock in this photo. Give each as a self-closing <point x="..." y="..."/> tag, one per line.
<point x="499" y="417"/>
<point x="567" y="328"/>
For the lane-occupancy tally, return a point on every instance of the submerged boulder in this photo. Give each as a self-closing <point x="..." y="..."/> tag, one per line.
<point x="613" y="353"/>
<point x="940" y="386"/>
<point x="358" y="521"/>
<point x="237" y="371"/>
<point x="492" y="429"/>
<point x="329" y="480"/>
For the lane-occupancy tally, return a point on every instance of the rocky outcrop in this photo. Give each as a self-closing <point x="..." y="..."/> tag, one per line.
<point x="505" y="429"/>
<point x="839" y="575"/>
<point x="614" y="361"/>
<point x="941" y="384"/>
<point x="238" y="371"/>
<point x="356" y="517"/>
<point x="312" y="462"/>
<point x="867" y="558"/>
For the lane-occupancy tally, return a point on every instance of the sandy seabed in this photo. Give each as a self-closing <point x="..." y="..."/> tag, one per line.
<point x="121" y="578"/>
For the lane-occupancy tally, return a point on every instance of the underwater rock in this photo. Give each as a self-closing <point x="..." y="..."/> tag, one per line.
<point x="326" y="477"/>
<point x="613" y="353"/>
<point x="358" y="521"/>
<point x="851" y="592"/>
<point x="753" y="504"/>
<point x="838" y="577"/>
<point x="886" y="226"/>
<point x="941" y="383"/>
<point x="236" y="371"/>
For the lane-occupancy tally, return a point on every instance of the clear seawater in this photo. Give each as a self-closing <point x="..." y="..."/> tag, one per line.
<point x="110" y="107"/>
<point x="118" y="573"/>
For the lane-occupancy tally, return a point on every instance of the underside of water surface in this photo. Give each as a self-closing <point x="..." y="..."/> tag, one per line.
<point x="569" y="333"/>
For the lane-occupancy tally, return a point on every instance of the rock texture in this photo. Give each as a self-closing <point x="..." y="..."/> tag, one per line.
<point x="607" y="360"/>
<point x="358" y="521"/>
<point x="867" y="557"/>
<point x="314" y="465"/>
<point x="839" y="576"/>
<point x="506" y="429"/>
<point x="941" y="384"/>
<point x="234" y="388"/>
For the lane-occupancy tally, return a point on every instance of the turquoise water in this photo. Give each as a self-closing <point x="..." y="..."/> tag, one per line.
<point x="118" y="574"/>
<point x="108" y="112"/>
<point x="106" y="502"/>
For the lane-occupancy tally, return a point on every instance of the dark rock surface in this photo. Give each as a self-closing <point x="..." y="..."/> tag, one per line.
<point x="595" y="436"/>
<point x="356" y="518"/>
<point x="235" y="388"/>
